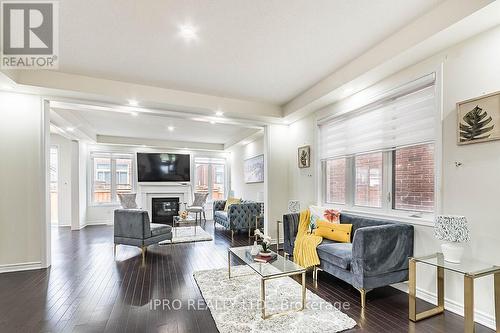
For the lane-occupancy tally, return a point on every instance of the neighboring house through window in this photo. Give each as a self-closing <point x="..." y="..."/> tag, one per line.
<point x="210" y="176"/>
<point x="105" y="186"/>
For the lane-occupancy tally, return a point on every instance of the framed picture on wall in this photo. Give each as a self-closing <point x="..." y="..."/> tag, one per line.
<point x="254" y="170"/>
<point x="479" y="119"/>
<point x="304" y="156"/>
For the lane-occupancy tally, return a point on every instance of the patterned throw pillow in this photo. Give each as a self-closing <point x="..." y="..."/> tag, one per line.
<point x="323" y="213"/>
<point x="231" y="201"/>
<point x="127" y="200"/>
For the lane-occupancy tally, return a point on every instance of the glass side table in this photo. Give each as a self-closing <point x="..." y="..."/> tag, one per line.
<point x="471" y="269"/>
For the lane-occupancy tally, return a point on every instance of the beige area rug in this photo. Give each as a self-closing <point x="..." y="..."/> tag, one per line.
<point x="187" y="235"/>
<point x="234" y="304"/>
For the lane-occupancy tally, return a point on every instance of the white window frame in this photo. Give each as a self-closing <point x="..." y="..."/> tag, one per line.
<point x="413" y="217"/>
<point x="113" y="156"/>
<point x="210" y="173"/>
<point x="387" y="188"/>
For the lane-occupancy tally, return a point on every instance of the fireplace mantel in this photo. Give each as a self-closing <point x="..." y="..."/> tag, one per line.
<point x="147" y="191"/>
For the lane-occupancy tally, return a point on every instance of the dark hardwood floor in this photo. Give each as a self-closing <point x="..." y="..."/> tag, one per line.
<point x="86" y="290"/>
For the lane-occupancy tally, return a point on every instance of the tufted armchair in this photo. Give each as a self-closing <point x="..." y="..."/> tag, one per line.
<point x="238" y="217"/>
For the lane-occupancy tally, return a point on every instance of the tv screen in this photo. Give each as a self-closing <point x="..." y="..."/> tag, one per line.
<point x="162" y="167"/>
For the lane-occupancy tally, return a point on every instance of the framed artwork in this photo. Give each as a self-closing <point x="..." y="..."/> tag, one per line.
<point x="254" y="169"/>
<point x="479" y="119"/>
<point x="304" y="156"/>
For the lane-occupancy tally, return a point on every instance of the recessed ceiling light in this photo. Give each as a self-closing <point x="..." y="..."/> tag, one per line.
<point x="170" y="128"/>
<point x="212" y="122"/>
<point x="133" y="102"/>
<point x="134" y="114"/>
<point x="219" y="113"/>
<point x="70" y="129"/>
<point x="188" y="32"/>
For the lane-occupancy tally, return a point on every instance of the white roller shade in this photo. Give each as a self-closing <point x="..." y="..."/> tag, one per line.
<point x="399" y="121"/>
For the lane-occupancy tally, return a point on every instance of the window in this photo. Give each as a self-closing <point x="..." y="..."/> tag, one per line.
<point x="381" y="156"/>
<point x="105" y="187"/>
<point x="102" y="180"/>
<point x="210" y="176"/>
<point x="368" y="186"/>
<point x="413" y="183"/>
<point x="335" y="180"/>
<point x="124" y="175"/>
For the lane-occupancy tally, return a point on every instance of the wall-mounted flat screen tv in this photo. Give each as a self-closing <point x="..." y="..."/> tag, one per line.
<point x="163" y="167"/>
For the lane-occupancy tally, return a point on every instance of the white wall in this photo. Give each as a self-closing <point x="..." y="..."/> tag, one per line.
<point x="469" y="69"/>
<point x="64" y="178"/>
<point x="22" y="182"/>
<point x="239" y="153"/>
<point x="276" y="196"/>
<point x="303" y="183"/>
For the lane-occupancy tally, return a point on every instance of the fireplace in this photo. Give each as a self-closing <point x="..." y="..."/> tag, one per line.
<point x="164" y="209"/>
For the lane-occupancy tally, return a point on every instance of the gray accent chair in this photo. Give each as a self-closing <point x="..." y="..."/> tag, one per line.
<point x="377" y="257"/>
<point x="198" y="206"/>
<point x="239" y="217"/>
<point x="133" y="227"/>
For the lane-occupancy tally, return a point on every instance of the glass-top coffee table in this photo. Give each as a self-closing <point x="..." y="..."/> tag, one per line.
<point x="277" y="268"/>
<point x="187" y="222"/>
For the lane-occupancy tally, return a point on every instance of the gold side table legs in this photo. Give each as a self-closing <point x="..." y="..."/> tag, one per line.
<point x="413" y="315"/>
<point x="468" y="303"/>
<point x="468" y="297"/>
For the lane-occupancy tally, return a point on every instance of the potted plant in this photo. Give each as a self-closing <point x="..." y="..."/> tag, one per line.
<point x="265" y="244"/>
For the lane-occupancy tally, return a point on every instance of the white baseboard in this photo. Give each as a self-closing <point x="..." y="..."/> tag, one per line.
<point x="99" y="222"/>
<point x="24" y="266"/>
<point x="450" y="305"/>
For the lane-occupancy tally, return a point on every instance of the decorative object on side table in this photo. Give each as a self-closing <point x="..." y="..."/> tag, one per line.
<point x="183" y="215"/>
<point x="293" y="206"/>
<point x="454" y="231"/>
<point x="266" y="243"/>
<point x="304" y="156"/>
<point x="479" y="119"/>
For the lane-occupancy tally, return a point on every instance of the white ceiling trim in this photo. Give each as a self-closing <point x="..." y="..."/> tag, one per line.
<point x="143" y="142"/>
<point x="57" y="85"/>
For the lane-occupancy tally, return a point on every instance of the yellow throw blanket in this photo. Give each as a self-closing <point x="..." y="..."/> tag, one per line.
<point x="304" y="252"/>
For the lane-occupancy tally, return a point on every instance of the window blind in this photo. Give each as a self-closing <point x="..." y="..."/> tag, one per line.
<point x="400" y="120"/>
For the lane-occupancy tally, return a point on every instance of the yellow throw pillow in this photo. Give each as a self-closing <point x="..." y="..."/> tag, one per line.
<point x="231" y="201"/>
<point x="334" y="231"/>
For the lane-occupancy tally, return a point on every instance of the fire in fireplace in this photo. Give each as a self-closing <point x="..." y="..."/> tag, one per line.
<point x="164" y="210"/>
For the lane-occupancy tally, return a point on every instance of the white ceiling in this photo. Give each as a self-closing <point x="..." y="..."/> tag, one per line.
<point x="267" y="50"/>
<point x="143" y="126"/>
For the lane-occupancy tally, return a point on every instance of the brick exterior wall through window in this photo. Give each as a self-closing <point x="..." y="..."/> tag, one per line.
<point x="335" y="180"/>
<point x="368" y="187"/>
<point x="414" y="178"/>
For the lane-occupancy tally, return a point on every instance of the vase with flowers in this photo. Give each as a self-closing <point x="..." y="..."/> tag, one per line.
<point x="265" y="244"/>
<point x="183" y="215"/>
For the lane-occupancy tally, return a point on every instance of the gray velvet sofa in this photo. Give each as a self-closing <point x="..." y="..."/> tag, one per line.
<point x="377" y="257"/>
<point x="239" y="217"/>
<point x="133" y="227"/>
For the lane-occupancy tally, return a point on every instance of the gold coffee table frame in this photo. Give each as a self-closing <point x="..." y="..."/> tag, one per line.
<point x="265" y="277"/>
<point x="471" y="270"/>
